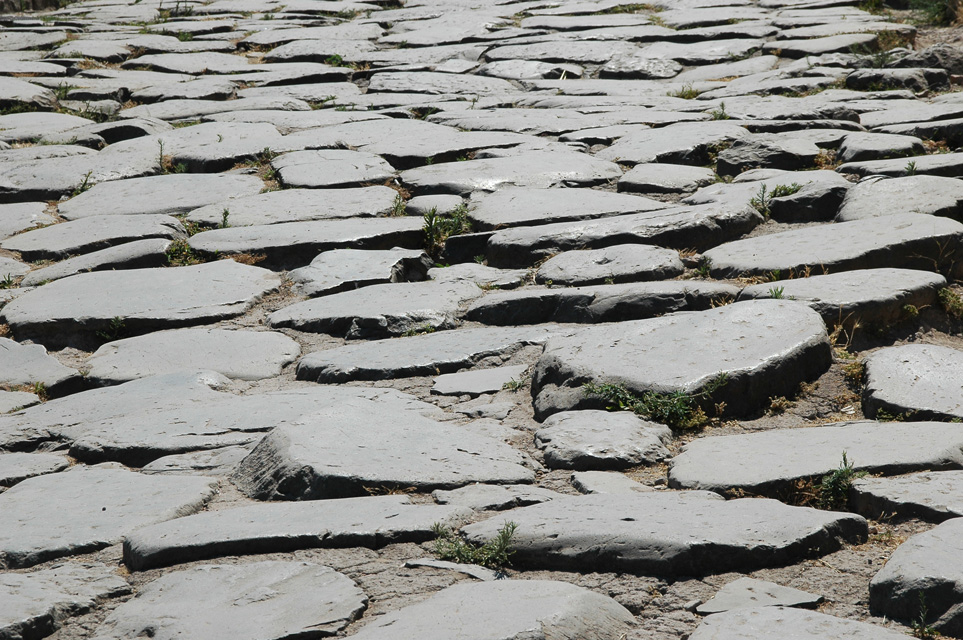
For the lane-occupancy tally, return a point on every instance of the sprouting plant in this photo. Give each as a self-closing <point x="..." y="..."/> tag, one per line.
<point x="705" y="266"/>
<point x="776" y="292"/>
<point x="854" y="372"/>
<point x="677" y="410"/>
<point x="7" y="282"/>
<point x="398" y="206"/>
<point x="224" y="218"/>
<point x="920" y="628"/>
<point x="83" y="185"/>
<point x="835" y="486"/>
<point x="180" y="254"/>
<point x="334" y="61"/>
<point x="185" y="36"/>
<point x="761" y="201"/>
<point x="951" y="302"/>
<point x="114" y="330"/>
<point x="494" y="553"/>
<point x="514" y="385"/>
<point x="439" y="227"/>
<point x="910" y="169"/>
<point x="720" y="113"/>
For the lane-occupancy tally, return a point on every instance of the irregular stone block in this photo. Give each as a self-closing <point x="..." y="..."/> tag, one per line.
<point x="584" y="440"/>
<point x="921" y="381"/>
<point x="933" y="497"/>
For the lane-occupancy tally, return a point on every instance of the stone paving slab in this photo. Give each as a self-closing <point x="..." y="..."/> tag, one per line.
<point x="620" y="263"/>
<point x="246" y="602"/>
<point x="668" y="533"/>
<point x="30" y="364"/>
<point x="281" y="527"/>
<point x="768" y="622"/>
<point x="478" y="382"/>
<point x="89" y="509"/>
<point x="597" y="440"/>
<point x="644" y="355"/>
<point x="15" y="467"/>
<point x="769" y="462"/>
<point x="746" y="593"/>
<point x="876" y="197"/>
<point x="345" y="269"/>
<point x="917" y="380"/>
<point x="139" y="254"/>
<point x="933" y="496"/>
<point x="329" y="168"/>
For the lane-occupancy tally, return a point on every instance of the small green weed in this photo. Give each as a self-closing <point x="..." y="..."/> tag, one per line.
<point x="920" y="628"/>
<point x="184" y="36"/>
<point x="951" y="302"/>
<point x="181" y="254"/>
<point x="720" y="113"/>
<point x="835" y="486"/>
<point x="686" y="92"/>
<point x="677" y="410"/>
<point x="776" y="292"/>
<point x="8" y="282"/>
<point x="704" y="268"/>
<point x="762" y="201"/>
<point x="493" y="554"/>
<point x="115" y="330"/>
<point x="398" y="206"/>
<point x="83" y="185"/>
<point x="910" y="169"/>
<point x="936" y="12"/>
<point x="439" y="227"/>
<point x="419" y="331"/>
<point x="224" y="218"/>
<point x="514" y="385"/>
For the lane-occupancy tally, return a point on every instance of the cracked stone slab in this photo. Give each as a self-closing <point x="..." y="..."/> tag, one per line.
<point x="345" y="269"/>
<point x="933" y="496"/>
<point x="140" y="254"/>
<point x="778" y="622"/>
<point x="21" y="216"/>
<point x="665" y="178"/>
<point x="600" y="440"/>
<point x="595" y="304"/>
<point x="439" y="83"/>
<point x="420" y="355"/>
<point x="16" y="400"/>
<point x="89" y="508"/>
<point x="928" y="564"/>
<point x="270" y="599"/>
<point x="687" y="144"/>
<point x="921" y="381"/>
<point x="907" y="240"/>
<point x="326" y="168"/>
<point x="29" y="364"/>
<point x="616" y="264"/>
<point x="15" y="467"/>
<point x="516" y="206"/>
<point x="818" y="46"/>
<point x="34" y="605"/>
<point x="779" y="151"/>
<point x="525" y="608"/>
<point x="875" y="197"/>
<point x="370" y="522"/>
<point x="768" y="462"/>
<point x="380" y="310"/>
<point x="696" y="227"/>
<point x="243" y="355"/>
<point x="340" y="451"/>
<point x="212" y="462"/>
<point x="491" y="497"/>
<point x="173" y="194"/>
<point x="297" y="205"/>
<point x="764" y="347"/>
<point x="668" y="533"/>
<point x="538" y="169"/>
<point x="478" y="382"/>
<point x="144" y="299"/>
<point x="745" y="593"/>
<point x="606" y="482"/>
<point x="948" y="165"/>
<point x="295" y="244"/>
<point x="872" y="296"/>
<point x="95" y="233"/>
<point x="858" y="146"/>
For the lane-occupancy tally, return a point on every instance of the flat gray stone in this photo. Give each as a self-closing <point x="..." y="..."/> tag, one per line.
<point x="89" y="508"/>
<point x="875" y="197"/>
<point x="640" y="66"/>
<point x="21" y="216"/>
<point x="280" y="527"/>
<point x="270" y="599"/>
<point x="949" y="165"/>
<point x="927" y="564"/>
<point x="144" y="299"/>
<point x="767" y="462"/>
<point x="140" y="254"/>
<point x="212" y="463"/>
<point x="26" y="127"/>
<point x="668" y="533"/>
<point x="15" y="467"/>
<point x="776" y="151"/>
<point x="327" y="168"/>
<point x="858" y="146"/>
<point x="746" y="593"/>
<point x="737" y="340"/>
<point x="527" y="69"/>
<point x="173" y="110"/>
<point x="16" y="91"/>
<point x="606" y="482"/>
<point x="524" y="607"/>
<point x="29" y="364"/>
<point x="484" y="276"/>
<point x="778" y="622"/>
<point x="244" y="355"/>
<point x="339" y="451"/>
<point x="905" y="240"/>
<point x="674" y="227"/>
<point x="873" y="297"/>
<point x="345" y="269"/>
<point x="295" y="244"/>
<point x="665" y="178"/>
<point x="478" y="382"/>
<point x="818" y="46"/>
<point x="380" y="310"/>
<point x="933" y="497"/>
<point x="490" y="497"/>
<point x="586" y="52"/>
<point x="420" y="355"/>
<point x="687" y="143"/>
<point x="538" y="169"/>
<point x="173" y="194"/>
<point x="584" y="440"/>
<point x="36" y="604"/>
<point x="514" y="206"/>
<point x="297" y="205"/>
<point x="921" y="381"/>
<point x="192" y="63"/>
<point x="439" y="83"/>
<point x="600" y="303"/>
<point x="16" y="400"/>
<point x="91" y="234"/>
<point x="473" y="570"/>
<point x="616" y="264"/>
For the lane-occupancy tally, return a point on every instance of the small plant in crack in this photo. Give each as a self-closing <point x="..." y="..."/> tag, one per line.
<point x="677" y="410"/>
<point x="494" y="554"/>
<point x="439" y="227"/>
<point x="835" y="487"/>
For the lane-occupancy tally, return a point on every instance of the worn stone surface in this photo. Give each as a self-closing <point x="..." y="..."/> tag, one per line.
<point x="919" y="380"/>
<point x="296" y="205"/>
<point x="15" y="467"/>
<point x="764" y="463"/>
<point x="330" y="168"/>
<point x="139" y="254"/>
<point x="665" y="178"/>
<point x="476" y="383"/>
<point x="279" y="599"/>
<point x="668" y="533"/>
<point x="930" y="496"/>
<point x="746" y="593"/>
<point x="765" y="622"/>
<point x="28" y="365"/>
<point x="620" y="263"/>
<point x="345" y="269"/>
<point x="584" y="440"/>
<point x="758" y="362"/>
<point x="485" y="497"/>
<point x="875" y="197"/>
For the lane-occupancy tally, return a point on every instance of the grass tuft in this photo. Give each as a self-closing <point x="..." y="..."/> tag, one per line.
<point x="493" y="554"/>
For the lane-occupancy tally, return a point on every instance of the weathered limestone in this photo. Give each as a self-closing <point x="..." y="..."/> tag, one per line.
<point x="583" y="440"/>
<point x="920" y="381"/>
<point x="930" y="496"/>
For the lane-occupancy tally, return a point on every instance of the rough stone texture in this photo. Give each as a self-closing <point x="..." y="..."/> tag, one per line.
<point x="380" y="310"/>
<point x="297" y="205"/>
<point x="245" y="355"/>
<point x="338" y="451"/>
<point x="875" y="197"/>
<point x="665" y="178"/>
<point x="476" y="383"/>
<point x="271" y="599"/>
<point x="485" y="497"/>
<point x="619" y="263"/>
<point x="18" y="217"/>
<point x="583" y="440"/>
<point x="746" y="593"/>
<point x="29" y="364"/>
<point x="765" y="463"/>
<point x="606" y="482"/>
<point x="927" y="563"/>
<point x="345" y="269"/>
<point x="139" y="254"/>
<point x="15" y="467"/>
<point x="934" y="496"/>
<point x="765" y="348"/>
<point x="857" y="147"/>
<point x="88" y="509"/>
<point x="330" y="168"/>
<point x="279" y="527"/>
<point x="769" y="622"/>
<point x="687" y="143"/>
<point x="670" y="533"/>
<point x="144" y="299"/>
<point x="34" y="605"/>
<point x="526" y="608"/>
<point x="917" y="380"/>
